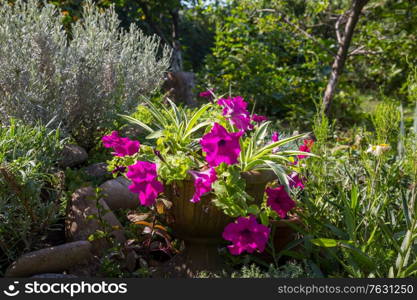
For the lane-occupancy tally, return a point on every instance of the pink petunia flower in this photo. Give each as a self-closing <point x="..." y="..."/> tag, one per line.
<point x="246" y="234"/>
<point x="202" y="183"/>
<point x="121" y="146"/>
<point x="275" y="138"/>
<point x="235" y="109"/>
<point x="305" y="147"/>
<point x="209" y="94"/>
<point x="144" y="182"/>
<point x="258" y="118"/>
<point x="221" y="146"/>
<point x="296" y="181"/>
<point x="280" y="201"/>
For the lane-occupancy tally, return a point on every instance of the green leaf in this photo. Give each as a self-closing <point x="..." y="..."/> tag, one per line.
<point x="270" y="147"/>
<point x="405" y="208"/>
<point x="194" y="129"/>
<point x="391" y="272"/>
<point x="253" y="209"/>
<point x="158" y="116"/>
<point x="349" y="219"/>
<point x="261" y="132"/>
<point x="354" y="198"/>
<point x="155" y="135"/>
<point x="411" y="270"/>
<point x="279" y="171"/>
<point x="177" y="113"/>
<point x="359" y="256"/>
<point x="264" y="218"/>
<point x="137" y="122"/>
<point x="196" y="117"/>
<point x="324" y="242"/>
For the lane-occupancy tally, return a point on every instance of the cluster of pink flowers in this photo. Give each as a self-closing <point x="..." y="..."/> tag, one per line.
<point x="236" y="110"/>
<point x="142" y="174"/>
<point x="121" y="146"/>
<point x="144" y="182"/>
<point x="246" y="234"/>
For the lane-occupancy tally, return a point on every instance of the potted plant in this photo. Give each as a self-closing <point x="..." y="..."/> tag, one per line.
<point x="214" y="164"/>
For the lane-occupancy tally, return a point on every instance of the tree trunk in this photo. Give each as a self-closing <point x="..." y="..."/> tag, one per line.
<point x="151" y="23"/>
<point x="342" y="53"/>
<point x="176" y="64"/>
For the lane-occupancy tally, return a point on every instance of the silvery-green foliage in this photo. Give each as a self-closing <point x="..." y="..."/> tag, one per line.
<point x="79" y="82"/>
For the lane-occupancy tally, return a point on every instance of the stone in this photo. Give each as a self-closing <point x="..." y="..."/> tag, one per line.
<point x="72" y="156"/>
<point x="83" y="219"/>
<point x="97" y="170"/>
<point x="130" y="261"/>
<point x="117" y="195"/>
<point x="52" y="259"/>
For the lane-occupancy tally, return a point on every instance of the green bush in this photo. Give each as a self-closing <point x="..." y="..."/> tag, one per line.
<point x="29" y="192"/>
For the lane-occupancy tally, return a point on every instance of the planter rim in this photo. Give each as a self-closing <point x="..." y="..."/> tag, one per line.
<point x="252" y="177"/>
<point x="259" y="176"/>
<point x="284" y="222"/>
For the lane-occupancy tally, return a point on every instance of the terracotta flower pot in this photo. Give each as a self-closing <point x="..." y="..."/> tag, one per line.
<point x="201" y="224"/>
<point x="284" y="233"/>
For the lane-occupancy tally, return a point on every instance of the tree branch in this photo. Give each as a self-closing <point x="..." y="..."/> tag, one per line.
<point x="337" y="29"/>
<point x="342" y="53"/>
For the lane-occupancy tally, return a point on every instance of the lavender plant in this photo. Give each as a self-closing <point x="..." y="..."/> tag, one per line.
<point x="80" y="82"/>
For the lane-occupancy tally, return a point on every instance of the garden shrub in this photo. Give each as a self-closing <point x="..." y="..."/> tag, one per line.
<point x="29" y="192"/>
<point x="80" y="82"/>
